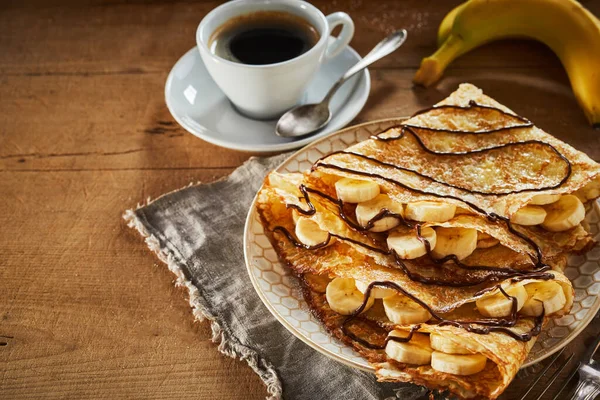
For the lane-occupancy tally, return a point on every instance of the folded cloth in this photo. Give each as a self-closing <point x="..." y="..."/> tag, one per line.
<point x="198" y="232"/>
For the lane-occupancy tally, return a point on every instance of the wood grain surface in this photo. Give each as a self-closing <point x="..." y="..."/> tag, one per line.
<point x="86" y="311"/>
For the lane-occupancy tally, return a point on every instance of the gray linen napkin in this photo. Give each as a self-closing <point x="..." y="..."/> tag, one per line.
<point x="197" y="232"/>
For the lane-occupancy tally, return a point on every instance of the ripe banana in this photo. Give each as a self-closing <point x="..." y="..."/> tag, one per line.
<point x="430" y="211"/>
<point x="564" y="214"/>
<point x="403" y="311"/>
<point x="445" y="345"/>
<point x="543" y="199"/>
<point x="565" y="26"/>
<point x="529" y="216"/>
<point x="416" y="351"/>
<point x="408" y="246"/>
<point x="548" y="296"/>
<point x="355" y="190"/>
<point x="309" y="232"/>
<point x="446" y="25"/>
<point x="367" y="210"/>
<point x="344" y="298"/>
<point x="376" y="292"/>
<point x="458" y="364"/>
<point x="458" y="241"/>
<point x="498" y="305"/>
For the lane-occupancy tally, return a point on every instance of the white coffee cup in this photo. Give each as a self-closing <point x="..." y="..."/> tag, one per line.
<point x="267" y="91"/>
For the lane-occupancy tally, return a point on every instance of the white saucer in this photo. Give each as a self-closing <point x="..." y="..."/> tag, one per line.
<point x="197" y="104"/>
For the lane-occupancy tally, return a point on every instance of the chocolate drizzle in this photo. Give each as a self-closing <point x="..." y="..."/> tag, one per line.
<point x="494" y="273"/>
<point x="486" y="325"/>
<point x="524" y="122"/>
<point x="463" y="153"/>
<point x="493" y="217"/>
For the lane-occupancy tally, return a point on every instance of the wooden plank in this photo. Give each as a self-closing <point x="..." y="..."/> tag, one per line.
<point x="108" y="132"/>
<point x="99" y="122"/>
<point x="114" y="37"/>
<point x="90" y="312"/>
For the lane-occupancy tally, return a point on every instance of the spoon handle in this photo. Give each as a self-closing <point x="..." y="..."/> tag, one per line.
<point x="382" y="49"/>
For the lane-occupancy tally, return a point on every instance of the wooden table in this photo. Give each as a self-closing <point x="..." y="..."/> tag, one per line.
<point x="86" y="311"/>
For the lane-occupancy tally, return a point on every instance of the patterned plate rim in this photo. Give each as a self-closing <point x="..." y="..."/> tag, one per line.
<point x="593" y="310"/>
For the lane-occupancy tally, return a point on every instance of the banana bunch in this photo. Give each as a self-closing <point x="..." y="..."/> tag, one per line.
<point x="571" y="31"/>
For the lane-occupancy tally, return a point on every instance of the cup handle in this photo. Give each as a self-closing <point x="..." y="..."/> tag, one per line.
<point x="345" y="36"/>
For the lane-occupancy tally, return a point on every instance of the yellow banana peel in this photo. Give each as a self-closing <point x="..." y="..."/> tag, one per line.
<point x="570" y="30"/>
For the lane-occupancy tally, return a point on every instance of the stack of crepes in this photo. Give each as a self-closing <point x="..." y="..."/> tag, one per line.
<point x="436" y="248"/>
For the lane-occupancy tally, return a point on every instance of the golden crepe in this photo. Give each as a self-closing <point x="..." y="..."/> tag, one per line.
<point x="435" y="248"/>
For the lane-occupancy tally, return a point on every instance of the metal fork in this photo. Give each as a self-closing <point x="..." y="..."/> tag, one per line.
<point x="589" y="376"/>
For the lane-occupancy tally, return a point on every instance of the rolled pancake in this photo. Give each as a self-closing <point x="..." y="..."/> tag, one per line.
<point x="513" y="252"/>
<point x="505" y="355"/>
<point x="343" y="259"/>
<point x="486" y="177"/>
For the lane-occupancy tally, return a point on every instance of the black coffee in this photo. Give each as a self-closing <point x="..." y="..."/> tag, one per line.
<point x="264" y="37"/>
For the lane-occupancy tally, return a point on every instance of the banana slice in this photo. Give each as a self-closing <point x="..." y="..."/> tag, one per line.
<point x="376" y="292"/>
<point x="367" y="210"/>
<point x="463" y="211"/>
<point x="344" y="298"/>
<point x="403" y="311"/>
<point x="529" y="215"/>
<point x="458" y="241"/>
<point x="485" y="241"/>
<point x="589" y="191"/>
<point x="355" y="190"/>
<point x="295" y="214"/>
<point x="483" y="236"/>
<point x="498" y="305"/>
<point x="309" y="232"/>
<point x="543" y="199"/>
<point x="548" y="296"/>
<point x="445" y="345"/>
<point x="408" y="246"/>
<point x="566" y="213"/>
<point x="429" y="211"/>
<point x="317" y="283"/>
<point x="458" y="364"/>
<point x="416" y="351"/>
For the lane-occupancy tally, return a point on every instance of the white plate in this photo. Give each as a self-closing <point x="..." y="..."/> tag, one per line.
<point x="198" y="105"/>
<point x="280" y="292"/>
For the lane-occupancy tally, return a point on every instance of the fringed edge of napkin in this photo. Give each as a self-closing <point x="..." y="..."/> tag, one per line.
<point x="227" y="345"/>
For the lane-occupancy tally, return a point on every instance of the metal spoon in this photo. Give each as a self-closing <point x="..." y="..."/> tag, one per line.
<point x="307" y="118"/>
